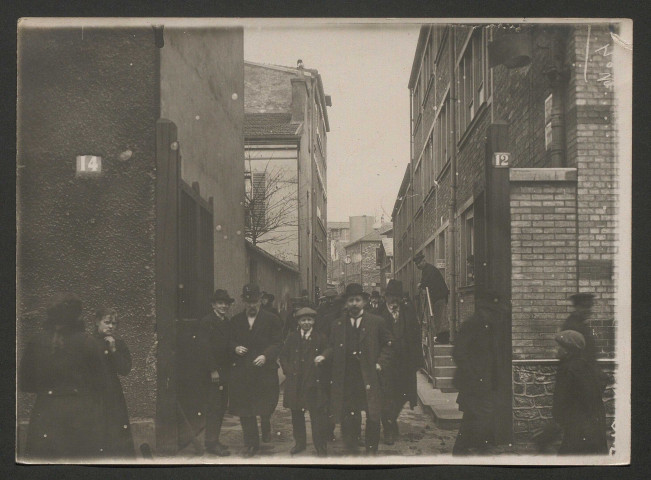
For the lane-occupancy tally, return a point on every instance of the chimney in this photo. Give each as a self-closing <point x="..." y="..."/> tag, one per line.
<point x="299" y="96"/>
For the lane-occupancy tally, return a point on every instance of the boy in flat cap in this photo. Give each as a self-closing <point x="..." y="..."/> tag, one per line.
<point x="360" y="347"/>
<point x="302" y="362"/>
<point x="214" y="345"/>
<point x="578" y="406"/>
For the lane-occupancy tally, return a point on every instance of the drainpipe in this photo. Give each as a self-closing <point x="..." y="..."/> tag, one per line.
<point x="411" y="267"/>
<point x="453" y="181"/>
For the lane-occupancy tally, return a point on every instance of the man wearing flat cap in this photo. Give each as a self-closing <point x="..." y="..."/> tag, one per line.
<point x="305" y="388"/>
<point x="578" y="321"/>
<point x="254" y="391"/>
<point x="216" y="353"/>
<point x="399" y="379"/>
<point x="432" y="280"/>
<point x="475" y="354"/>
<point x="359" y="348"/>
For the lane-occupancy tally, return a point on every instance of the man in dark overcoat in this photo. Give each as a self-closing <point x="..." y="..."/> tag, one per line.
<point x="399" y="379"/>
<point x="267" y="304"/>
<point x="432" y="280"/>
<point x="360" y="348"/>
<point x="475" y="355"/>
<point x="303" y="362"/>
<point x="216" y="352"/>
<point x="582" y="304"/>
<point x="256" y="340"/>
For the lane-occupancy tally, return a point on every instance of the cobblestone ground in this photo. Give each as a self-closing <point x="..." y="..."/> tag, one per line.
<point x="419" y="436"/>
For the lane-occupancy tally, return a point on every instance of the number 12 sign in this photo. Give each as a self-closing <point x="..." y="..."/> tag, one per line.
<point x="89" y="165"/>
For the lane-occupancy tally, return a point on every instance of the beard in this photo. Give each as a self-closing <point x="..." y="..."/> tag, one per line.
<point x="354" y="310"/>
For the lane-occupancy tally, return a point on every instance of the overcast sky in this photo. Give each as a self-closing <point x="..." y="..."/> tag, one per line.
<point x="365" y="68"/>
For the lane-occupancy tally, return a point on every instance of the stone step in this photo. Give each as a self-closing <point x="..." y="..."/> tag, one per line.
<point x="443" y="361"/>
<point x="442" y="350"/>
<point x="441" y="404"/>
<point x="443" y="382"/>
<point x="444" y="371"/>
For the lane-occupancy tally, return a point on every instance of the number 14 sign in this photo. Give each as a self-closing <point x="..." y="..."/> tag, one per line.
<point x="89" y="165"/>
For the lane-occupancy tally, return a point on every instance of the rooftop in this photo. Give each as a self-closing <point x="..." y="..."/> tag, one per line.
<point x="374" y="236"/>
<point x="264" y="124"/>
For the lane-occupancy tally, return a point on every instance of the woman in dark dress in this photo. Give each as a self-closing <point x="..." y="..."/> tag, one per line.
<point x="63" y="367"/>
<point x="578" y="405"/>
<point x="117" y="439"/>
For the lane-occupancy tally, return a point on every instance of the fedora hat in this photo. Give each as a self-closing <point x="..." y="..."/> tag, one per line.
<point x="354" y="289"/>
<point x="582" y="299"/>
<point x="251" y="293"/>
<point x="221" y="295"/>
<point x="394" y="288"/>
<point x="419" y="256"/>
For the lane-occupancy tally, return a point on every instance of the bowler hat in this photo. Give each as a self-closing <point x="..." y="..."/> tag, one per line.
<point x="221" y="295"/>
<point x="582" y="299"/>
<point x="251" y="293"/>
<point x="570" y="340"/>
<point x="305" y="312"/>
<point x="394" y="288"/>
<point x="354" y="289"/>
<point x="419" y="256"/>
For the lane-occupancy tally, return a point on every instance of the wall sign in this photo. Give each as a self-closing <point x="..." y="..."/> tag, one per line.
<point x="501" y="159"/>
<point x="89" y="165"/>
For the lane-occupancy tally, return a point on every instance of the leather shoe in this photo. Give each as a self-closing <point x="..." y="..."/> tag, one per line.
<point x="219" y="450"/>
<point x="297" y="449"/>
<point x="250" y="452"/>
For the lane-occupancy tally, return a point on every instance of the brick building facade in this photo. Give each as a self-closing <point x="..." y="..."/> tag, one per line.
<point x="540" y="229"/>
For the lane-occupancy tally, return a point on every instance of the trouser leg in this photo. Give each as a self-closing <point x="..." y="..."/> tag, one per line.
<point x="265" y="425"/>
<point x="320" y="427"/>
<point x="298" y="427"/>
<point x="250" y="431"/>
<point x="351" y="426"/>
<point x="372" y="434"/>
<point x="475" y="432"/>
<point x="215" y="411"/>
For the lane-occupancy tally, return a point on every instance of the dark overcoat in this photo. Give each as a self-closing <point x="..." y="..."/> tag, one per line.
<point x="255" y="390"/>
<point x="375" y="343"/>
<point x="475" y="355"/>
<point x="117" y="439"/>
<point x="66" y="421"/>
<point x="400" y="378"/>
<point x="579" y="408"/>
<point x="215" y="346"/>
<point x="305" y="383"/>
<point x="432" y="278"/>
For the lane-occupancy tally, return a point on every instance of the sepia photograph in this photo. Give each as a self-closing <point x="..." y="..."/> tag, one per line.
<point x="323" y="241"/>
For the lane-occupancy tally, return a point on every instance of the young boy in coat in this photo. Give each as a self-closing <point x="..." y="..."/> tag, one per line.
<point x="302" y="362"/>
<point x="578" y="405"/>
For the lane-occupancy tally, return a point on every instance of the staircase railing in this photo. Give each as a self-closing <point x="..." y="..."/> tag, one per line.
<point x="426" y="320"/>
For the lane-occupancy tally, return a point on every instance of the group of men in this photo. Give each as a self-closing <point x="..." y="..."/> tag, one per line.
<point x="339" y="360"/>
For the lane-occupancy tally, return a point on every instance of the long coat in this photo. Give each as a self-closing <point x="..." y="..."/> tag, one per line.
<point x="400" y="377"/>
<point x="66" y="421"/>
<point x="215" y="346"/>
<point x="255" y="390"/>
<point x="579" y="408"/>
<point x="117" y="439"/>
<point x="375" y="343"/>
<point x="305" y="382"/>
<point x="475" y="357"/>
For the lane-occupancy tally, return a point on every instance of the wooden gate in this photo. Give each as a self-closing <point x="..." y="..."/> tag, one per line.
<point x="184" y="285"/>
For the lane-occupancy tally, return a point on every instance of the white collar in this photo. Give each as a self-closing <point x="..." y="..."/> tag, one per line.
<point x="307" y="334"/>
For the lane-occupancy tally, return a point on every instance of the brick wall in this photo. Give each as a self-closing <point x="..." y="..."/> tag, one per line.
<point x="543" y="257"/>
<point x="533" y="397"/>
<point x="370" y="269"/>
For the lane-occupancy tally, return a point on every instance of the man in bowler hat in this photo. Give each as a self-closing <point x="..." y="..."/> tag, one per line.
<point x="303" y="362"/>
<point x="254" y="391"/>
<point x="399" y="379"/>
<point x="359" y="348"/>
<point x="578" y="321"/>
<point x="216" y="352"/>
